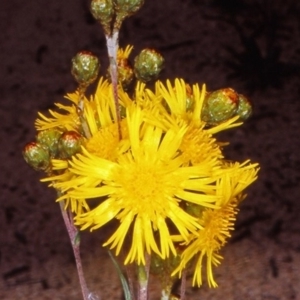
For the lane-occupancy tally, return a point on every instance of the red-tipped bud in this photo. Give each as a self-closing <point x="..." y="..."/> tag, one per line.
<point x="37" y="156"/>
<point x="69" y="144"/>
<point x="85" y="68"/>
<point x="219" y="106"/>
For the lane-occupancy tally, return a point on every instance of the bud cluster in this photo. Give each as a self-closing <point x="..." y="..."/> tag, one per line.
<point x="111" y="13"/>
<point x="51" y="144"/>
<point x="221" y="105"/>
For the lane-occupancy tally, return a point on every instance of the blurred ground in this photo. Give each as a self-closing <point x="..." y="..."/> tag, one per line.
<point x="252" y="46"/>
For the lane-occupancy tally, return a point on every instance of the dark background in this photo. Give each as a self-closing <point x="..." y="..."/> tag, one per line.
<point x="251" y="46"/>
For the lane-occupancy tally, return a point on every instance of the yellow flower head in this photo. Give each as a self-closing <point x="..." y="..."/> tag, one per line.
<point x="143" y="189"/>
<point x="216" y="224"/>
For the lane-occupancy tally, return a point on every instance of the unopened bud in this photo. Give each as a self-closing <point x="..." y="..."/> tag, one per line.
<point x="126" y="8"/>
<point x="85" y="68"/>
<point x="37" y="156"/>
<point x="244" y="109"/>
<point x="147" y="65"/>
<point x="69" y="144"/>
<point x="103" y="11"/>
<point x="49" y="139"/>
<point x="219" y="106"/>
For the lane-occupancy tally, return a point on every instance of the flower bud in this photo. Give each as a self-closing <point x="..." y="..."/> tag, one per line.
<point x="147" y="65"/>
<point x="37" y="156"/>
<point x="244" y="109"/>
<point x="49" y="139"/>
<point x="103" y="11"/>
<point x="69" y="144"/>
<point x="85" y="68"/>
<point x="219" y="106"/>
<point x="126" y="8"/>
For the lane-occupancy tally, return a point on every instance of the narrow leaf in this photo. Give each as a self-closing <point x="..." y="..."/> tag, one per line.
<point x="124" y="282"/>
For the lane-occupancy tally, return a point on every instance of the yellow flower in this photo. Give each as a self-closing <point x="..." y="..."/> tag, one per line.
<point x="143" y="189"/>
<point x="216" y="224"/>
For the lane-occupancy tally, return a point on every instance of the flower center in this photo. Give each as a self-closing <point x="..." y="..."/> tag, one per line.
<point x="217" y="226"/>
<point x="105" y="142"/>
<point x="144" y="190"/>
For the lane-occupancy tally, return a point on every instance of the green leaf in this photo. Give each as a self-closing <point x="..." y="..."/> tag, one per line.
<point x="123" y="279"/>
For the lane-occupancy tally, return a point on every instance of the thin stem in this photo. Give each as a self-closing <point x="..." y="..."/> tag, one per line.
<point x="143" y="279"/>
<point x="112" y="42"/>
<point x="183" y="285"/>
<point x="130" y="276"/>
<point x="75" y="242"/>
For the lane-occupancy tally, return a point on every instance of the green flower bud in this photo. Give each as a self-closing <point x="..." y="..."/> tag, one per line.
<point x="103" y="11"/>
<point x="219" y="106"/>
<point x="126" y="8"/>
<point x="85" y="68"/>
<point x="49" y="139"/>
<point x="37" y="156"/>
<point x="244" y="109"/>
<point x="69" y="144"/>
<point x="147" y="65"/>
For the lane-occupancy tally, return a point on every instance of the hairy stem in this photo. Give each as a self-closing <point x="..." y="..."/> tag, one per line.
<point x="143" y="279"/>
<point x="112" y="42"/>
<point x="75" y="242"/>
